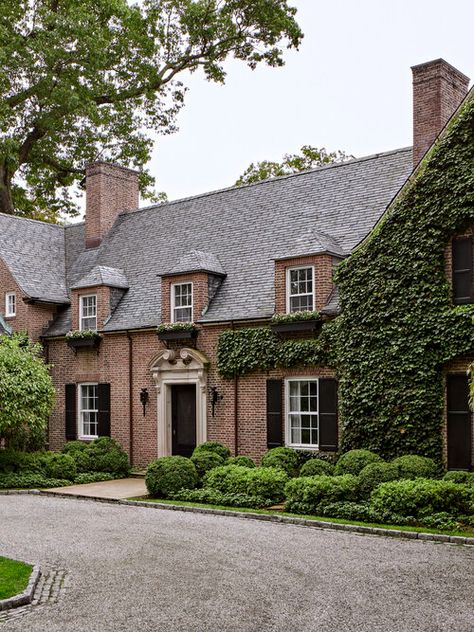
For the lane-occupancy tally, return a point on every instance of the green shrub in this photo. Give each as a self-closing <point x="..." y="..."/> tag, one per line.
<point x="213" y="446"/>
<point x="282" y="457"/>
<point x="266" y="482"/>
<point x="414" y="466"/>
<point x="459" y="476"/>
<point x="354" y="461"/>
<point x="213" y="497"/>
<point x="30" y="481"/>
<point x="74" y="446"/>
<point x="205" y="461"/>
<point x="106" y="455"/>
<point x="16" y="461"/>
<point x="441" y="520"/>
<point x="316" y="467"/>
<point x="57" y="465"/>
<point x="361" y="511"/>
<point x="243" y="461"/>
<point x="93" y="477"/>
<point x="374" y="474"/>
<point x="422" y="497"/>
<point x="314" y="490"/>
<point x="169" y="474"/>
<point x="308" y="455"/>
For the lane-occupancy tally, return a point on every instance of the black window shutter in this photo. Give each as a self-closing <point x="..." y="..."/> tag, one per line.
<point x="104" y="409"/>
<point x="71" y="416"/>
<point x="327" y="414"/>
<point x="462" y="270"/>
<point x="459" y="422"/>
<point x="274" y="413"/>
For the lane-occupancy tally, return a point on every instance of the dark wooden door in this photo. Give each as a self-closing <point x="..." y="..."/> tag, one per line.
<point x="183" y="418"/>
<point x="459" y="422"/>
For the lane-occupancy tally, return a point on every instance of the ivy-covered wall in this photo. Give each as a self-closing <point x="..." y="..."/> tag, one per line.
<point x="398" y="325"/>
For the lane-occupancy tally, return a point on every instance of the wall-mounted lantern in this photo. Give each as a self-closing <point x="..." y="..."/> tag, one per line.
<point x="215" y="397"/>
<point x="144" y="397"/>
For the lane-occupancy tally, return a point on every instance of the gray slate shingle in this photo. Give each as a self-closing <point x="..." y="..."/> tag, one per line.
<point x="197" y="260"/>
<point x="103" y="275"/>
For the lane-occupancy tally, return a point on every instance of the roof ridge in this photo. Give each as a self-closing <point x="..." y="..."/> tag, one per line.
<point x="29" y="219"/>
<point x="266" y="181"/>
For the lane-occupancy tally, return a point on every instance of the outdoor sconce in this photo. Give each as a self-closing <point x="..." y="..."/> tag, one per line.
<point x="215" y="397"/>
<point x="144" y="397"/>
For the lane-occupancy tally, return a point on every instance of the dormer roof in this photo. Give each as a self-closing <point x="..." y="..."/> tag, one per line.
<point x="103" y="275"/>
<point x="197" y="261"/>
<point x="311" y="242"/>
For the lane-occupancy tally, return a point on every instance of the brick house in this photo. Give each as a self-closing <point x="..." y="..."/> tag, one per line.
<point x="223" y="260"/>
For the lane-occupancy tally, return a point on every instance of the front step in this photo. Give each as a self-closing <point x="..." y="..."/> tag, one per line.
<point x="138" y="474"/>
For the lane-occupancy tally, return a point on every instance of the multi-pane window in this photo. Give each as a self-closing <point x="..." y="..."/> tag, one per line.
<point x="88" y="319"/>
<point x="10" y="304"/>
<point x="88" y="410"/>
<point x="302" y="413"/>
<point x="182" y="303"/>
<point x="300" y="289"/>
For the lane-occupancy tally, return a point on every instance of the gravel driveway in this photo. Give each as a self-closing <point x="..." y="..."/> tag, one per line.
<point x="141" y="570"/>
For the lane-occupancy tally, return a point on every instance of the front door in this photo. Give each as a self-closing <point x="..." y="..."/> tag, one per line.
<point x="183" y="418"/>
<point x="459" y="422"/>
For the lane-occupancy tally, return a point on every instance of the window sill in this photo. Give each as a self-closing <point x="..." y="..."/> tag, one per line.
<point x="87" y="438"/>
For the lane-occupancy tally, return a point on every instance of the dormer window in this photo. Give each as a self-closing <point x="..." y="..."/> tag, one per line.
<point x="300" y="289"/>
<point x="182" y="303"/>
<point x="10" y="304"/>
<point x="88" y="312"/>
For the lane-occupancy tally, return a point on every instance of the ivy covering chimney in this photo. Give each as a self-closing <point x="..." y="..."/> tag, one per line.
<point x="438" y="89"/>
<point x="110" y="189"/>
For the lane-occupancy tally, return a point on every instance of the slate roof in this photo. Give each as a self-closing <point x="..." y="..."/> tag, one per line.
<point x="197" y="261"/>
<point x="103" y="275"/>
<point x="239" y="231"/>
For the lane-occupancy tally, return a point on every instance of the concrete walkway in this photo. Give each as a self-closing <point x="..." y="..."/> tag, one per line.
<point x="121" y="488"/>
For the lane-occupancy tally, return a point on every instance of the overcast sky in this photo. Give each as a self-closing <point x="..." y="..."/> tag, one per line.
<point x="348" y="87"/>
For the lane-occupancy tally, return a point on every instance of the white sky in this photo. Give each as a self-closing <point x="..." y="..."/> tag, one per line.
<point x="348" y="87"/>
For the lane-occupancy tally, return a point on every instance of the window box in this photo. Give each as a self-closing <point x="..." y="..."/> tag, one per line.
<point x="294" y="326"/>
<point x="83" y="340"/>
<point x="176" y="331"/>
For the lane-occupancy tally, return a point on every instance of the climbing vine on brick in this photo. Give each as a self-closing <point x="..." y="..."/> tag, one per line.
<point x="398" y="325"/>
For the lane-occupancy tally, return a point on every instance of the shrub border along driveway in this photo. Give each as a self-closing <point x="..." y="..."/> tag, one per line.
<point x="25" y="597"/>
<point x="318" y="524"/>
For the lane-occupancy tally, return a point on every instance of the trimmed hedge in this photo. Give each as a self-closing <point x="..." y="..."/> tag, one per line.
<point x="374" y="474"/>
<point x="282" y="457"/>
<point x="422" y="497"/>
<point x="243" y="461"/>
<point x="57" y="465"/>
<point x="169" y="474"/>
<point x="214" y="497"/>
<point x="459" y="476"/>
<point x="266" y="482"/>
<point x="316" y="467"/>
<point x="314" y="490"/>
<point x="213" y="446"/>
<point x="414" y="466"/>
<point x="205" y="461"/>
<point x="354" y="461"/>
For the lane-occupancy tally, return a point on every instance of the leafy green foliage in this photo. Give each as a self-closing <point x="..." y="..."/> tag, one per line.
<point x="83" y="334"/>
<point x="57" y="465"/>
<point x="423" y="497"/>
<point x="26" y="389"/>
<point x="309" y="158"/>
<point x="398" y="325"/>
<point x="214" y="497"/>
<point x="373" y="474"/>
<point x="170" y="327"/>
<point x="465" y="478"/>
<point x="101" y="455"/>
<point x="30" y="481"/>
<point x="169" y="474"/>
<point x="83" y="80"/>
<point x="413" y="466"/>
<point x="242" y="461"/>
<point x="93" y="477"/>
<point x="314" y="490"/>
<point x="354" y="461"/>
<point x="282" y="457"/>
<point x="213" y="446"/>
<point x="266" y="482"/>
<point x="316" y="467"/>
<point x="295" y="317"/>
<point x="205" y="461"/>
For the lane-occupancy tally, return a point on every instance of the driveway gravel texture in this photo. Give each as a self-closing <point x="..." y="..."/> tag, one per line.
<point x="139" y="570"/>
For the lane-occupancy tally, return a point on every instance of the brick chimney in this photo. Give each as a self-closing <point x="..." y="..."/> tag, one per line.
<point x="110" y="189"/>
<point x="438" y="89"/>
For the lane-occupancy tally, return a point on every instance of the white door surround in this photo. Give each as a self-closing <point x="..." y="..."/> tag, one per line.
<point x="188" y="366"/>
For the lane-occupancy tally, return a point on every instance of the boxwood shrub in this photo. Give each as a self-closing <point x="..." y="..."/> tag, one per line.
<point x="282" y="457"/>
<point x="169" y="474"/>
<point x="354" y="461"/>
<point x="374" y="474"/>
<point x="214" y="497"/>
<point x="205" y="461"/>
<point x="266" y="482"/>
<point x="316" y="467"/>
<point x="106" y="455"/>
<point x="243" y="461"/>
<point x="57" y="465"/>
<point x="93" y="477"/>
<point x="459" y="476"/>
<point x="213" y="446"/>
<point x="315" y="490"/>
<point x="422" y="497"/>
<point x="414" y="466"/>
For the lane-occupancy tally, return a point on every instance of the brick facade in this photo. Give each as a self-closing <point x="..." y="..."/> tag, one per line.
<point x="200" y="293"/>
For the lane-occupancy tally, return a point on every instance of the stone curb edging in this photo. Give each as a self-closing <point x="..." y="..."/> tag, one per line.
<point x="318" y="524"/>
<point x="26" y="597"/>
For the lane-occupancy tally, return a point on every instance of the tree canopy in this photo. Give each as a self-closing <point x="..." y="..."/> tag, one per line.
<point x="82" y="80"/>
<point x="308" y="158"/>
<point x="26" y="390"/>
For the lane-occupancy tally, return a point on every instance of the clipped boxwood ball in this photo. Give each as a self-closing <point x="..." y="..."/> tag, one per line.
<point x="213" y="446"/>
<point x="374" y="474"/>
<point x="169" y="474"/>
<point x="205" y="461"/>
<point x="243" y="461"/>
<point x="316" y="467"/>
<point x="354" y="461"/>
<point x="284" y="458"/>
<point x="57" y="465"/>
<point x="414" y="466"/>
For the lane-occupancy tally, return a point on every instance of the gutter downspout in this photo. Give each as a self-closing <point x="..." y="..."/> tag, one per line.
<point x="236" y="407"/>
<point x="130" y="393"/>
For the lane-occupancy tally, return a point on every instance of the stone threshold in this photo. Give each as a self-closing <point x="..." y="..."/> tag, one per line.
<point x="304" y="522"/>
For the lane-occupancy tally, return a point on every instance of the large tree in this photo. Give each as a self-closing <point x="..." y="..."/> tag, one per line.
<point x="82" y="80"/>
<point x="308" y="158"/>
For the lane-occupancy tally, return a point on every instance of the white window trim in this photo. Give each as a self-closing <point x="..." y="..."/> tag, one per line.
<point x="8" y="313"/>
<point x="81" y="303"/>
<point x="298" y="446"/>
<point x="173" y="306"/>
<point x="288" y="270"/>
<point x="79" y="411"/>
